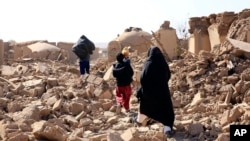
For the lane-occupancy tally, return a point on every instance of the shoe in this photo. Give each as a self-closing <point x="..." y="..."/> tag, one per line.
<point x="151" y="121"/>
<point x="132" y="115"/>
<point x="135" y="122"/>
<point x="170" y="134"/>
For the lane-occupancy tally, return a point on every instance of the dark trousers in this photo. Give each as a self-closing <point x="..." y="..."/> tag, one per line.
<point x="84" y="66"/>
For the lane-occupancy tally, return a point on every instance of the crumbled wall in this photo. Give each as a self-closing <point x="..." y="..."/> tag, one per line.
<point x="214" y="36"/>
<point x="218" y="27"/>
<point x="248" y="36"/>
<point x="136" y="38"/>
<point x="1" y="51"/>
<point x="114" y="47"/>
<point x="167" y="40"/>
<point x="68" y="47"/>
<point x="198" y="42"/>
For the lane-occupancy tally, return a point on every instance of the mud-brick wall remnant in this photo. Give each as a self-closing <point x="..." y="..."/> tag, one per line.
<point x="199" y="38"/>
<point x="240" y="28"/>
<point x="17" y="48"/>
<point x="216" y="28"/>
<point x="1" y="52"/>
<point x="167" y="39"/>
<point x="68" y="47"/>
<point x="7" y="51"/>
<point x="114" y="47"/>
<point x="134" y="37"/>
<point x="18" y="52"/>
<point x="248" y="36"/>
<point x="219" y="28"/>
<point x="245" y="13"/>
<point x="96" y="53"/>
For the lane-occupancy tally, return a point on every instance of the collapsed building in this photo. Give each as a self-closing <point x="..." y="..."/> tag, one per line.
<point x="46" y="100"/>
<point x="208" y="33"/>
<point x="130" y="37"/>
<point x="40" y="49"/>
<point x="165" y="38"/>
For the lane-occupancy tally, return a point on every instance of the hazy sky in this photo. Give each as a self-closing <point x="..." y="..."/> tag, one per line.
<point x="100" y="20"/>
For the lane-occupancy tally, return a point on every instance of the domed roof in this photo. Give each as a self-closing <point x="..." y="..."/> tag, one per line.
<point x="133" y="37"/>
<point x="41" y="46"/>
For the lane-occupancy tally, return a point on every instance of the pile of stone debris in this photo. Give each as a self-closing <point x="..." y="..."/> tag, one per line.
<point x="47" y="100"/>
<point x="42" y="99"/>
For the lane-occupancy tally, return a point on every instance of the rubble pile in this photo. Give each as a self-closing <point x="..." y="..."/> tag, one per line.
<point x="239" y="29"/>
<point x="49" y="100"/>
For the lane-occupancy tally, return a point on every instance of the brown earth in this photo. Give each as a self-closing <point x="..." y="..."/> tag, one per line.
<point x="48" y="100"/>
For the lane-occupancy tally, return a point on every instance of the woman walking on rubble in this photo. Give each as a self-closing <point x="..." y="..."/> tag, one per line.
<point x="154" y="94"/>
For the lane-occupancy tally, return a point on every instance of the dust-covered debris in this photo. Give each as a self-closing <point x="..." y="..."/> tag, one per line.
<point x="41" y="99"/>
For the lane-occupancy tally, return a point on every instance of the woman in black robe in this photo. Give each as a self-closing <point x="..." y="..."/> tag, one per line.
<point x="154" y="94"/>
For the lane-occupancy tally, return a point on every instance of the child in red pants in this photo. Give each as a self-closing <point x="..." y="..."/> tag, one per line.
<point x="123" y="73"/>
<point x="123" y="94"/>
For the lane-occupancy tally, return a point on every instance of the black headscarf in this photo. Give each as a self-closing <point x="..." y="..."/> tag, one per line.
<point x="157" y="60"/>
<point x="120" y="57"/>
<point x="155" y="101"/>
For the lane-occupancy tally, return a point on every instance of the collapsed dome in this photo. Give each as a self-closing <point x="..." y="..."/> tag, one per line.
<point x="136" y="38"/>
